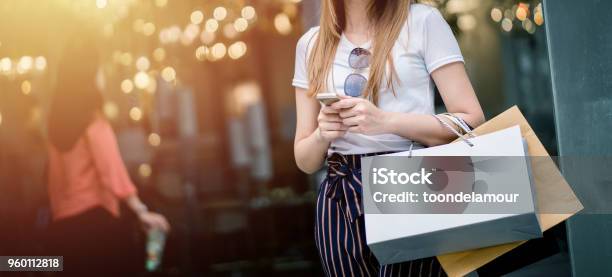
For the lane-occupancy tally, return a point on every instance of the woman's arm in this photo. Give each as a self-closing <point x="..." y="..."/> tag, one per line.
<point x="114" y="175"/>
<point x="315" y="129"/>
<point x="457" y="93"/>
<point x="459" y="98"/>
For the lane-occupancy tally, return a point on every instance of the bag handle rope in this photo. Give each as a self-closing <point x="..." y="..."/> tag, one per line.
<point x="460" y="123"/>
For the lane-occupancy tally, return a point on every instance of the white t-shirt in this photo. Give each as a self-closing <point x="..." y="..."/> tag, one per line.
<point x="425" y="44"/>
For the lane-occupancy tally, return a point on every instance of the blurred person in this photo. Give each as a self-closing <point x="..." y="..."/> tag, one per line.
<point x="87" y="178"/>
<point x="382" y="58"/>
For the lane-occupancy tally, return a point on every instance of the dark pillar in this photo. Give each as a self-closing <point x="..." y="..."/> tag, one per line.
<point x="580" y="46"/>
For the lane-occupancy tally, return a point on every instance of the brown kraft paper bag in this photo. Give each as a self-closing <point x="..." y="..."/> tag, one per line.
<point x="553" y="193"/>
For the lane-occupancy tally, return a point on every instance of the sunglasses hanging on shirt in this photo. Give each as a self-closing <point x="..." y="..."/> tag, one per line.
<point x="355" y="83"/>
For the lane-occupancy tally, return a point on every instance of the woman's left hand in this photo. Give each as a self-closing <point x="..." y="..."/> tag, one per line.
<point x="361" y="115"/>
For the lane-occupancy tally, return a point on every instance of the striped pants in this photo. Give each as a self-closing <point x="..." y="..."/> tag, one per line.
<point x="340" y="230"/>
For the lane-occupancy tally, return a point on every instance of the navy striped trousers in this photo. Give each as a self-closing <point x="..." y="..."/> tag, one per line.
<point x="340" y="231"/>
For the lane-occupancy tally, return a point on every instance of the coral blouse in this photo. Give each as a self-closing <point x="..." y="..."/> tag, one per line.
<point x="89" y="175"/>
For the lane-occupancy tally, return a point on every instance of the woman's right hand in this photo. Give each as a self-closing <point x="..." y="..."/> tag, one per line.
<point x="315" y="129"/>
<point x="330" y="124"/>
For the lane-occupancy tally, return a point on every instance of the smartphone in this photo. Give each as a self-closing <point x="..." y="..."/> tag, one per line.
<point x="328" y="99"/>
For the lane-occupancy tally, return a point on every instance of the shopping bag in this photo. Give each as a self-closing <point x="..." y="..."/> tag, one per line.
<point x="552" y="191"/>
<point x="398" y="231"/>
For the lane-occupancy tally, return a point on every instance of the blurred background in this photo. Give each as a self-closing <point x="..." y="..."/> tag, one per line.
<point x="200" y="97"/>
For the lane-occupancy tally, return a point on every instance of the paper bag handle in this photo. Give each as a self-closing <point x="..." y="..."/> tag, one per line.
<point x="445" y="124"/>
<point x="460" y="123"/>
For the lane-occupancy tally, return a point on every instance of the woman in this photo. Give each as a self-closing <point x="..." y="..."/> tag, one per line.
<point x="382" y="57"/>
<point x="87" y="179"/>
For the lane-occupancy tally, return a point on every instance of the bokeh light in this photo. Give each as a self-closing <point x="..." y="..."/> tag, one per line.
<point x="538" y="15"/>
<point x="218" y="51"/>
<point x="111" y="110"/>
<point x="159" y="54"/>
<point x="212" y="25"/>
<point x="248" y="12"/>
<point x="26" y="87"/>
<point x="507" y="24"/>
<point x="189" y="34"/>
<point x="168" y="74"/>
<point x="135" y="114"/>
<point x="220" y="13"/>
<point x="154" y="139"/>
<point x="40" y="63"/>
<point x="522" y="11"/>
<point x="466" y="22"/>
<point x="142" y="63"/>
<point x="6" y="64"/>
<point x="237" y="50"/>
<point x="148" y="29"/>
<point x="197" y="17"/>
<point x="101" y="4"/>
<point x="25" y="64"/>
<point x="126" y="59"/>
<point x="496" y="14"/>
<point x="141" y="80"/>
<point x="201" y="52"/>
<point x="145" y="170"/>
<point x="282" y="23"/>
<point x="241" y="24"/>
<point x="528" y="26"/>
<point x="127" y="86"/>
<point x="152" y="87"/>
<point x="539" y="19"/>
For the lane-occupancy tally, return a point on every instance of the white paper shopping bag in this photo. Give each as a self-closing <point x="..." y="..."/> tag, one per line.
<point x="449" y="198"/>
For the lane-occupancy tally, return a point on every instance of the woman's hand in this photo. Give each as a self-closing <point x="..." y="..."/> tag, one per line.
<point x="152" y="220"/>
<point x="361" y="115"/>
<point x="148" y="219"/>
<point x="330" y="124"/>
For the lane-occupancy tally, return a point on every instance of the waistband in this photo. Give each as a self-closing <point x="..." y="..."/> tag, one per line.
<point x="353" y="161"/>
<point x="344" y="182"/>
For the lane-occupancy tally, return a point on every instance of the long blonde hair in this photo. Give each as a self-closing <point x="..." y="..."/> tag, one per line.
<point x="388" y="18"/>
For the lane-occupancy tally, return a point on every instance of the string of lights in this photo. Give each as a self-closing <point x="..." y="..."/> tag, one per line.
<point x="519" y="16"/>
<point x="147" y="44"/>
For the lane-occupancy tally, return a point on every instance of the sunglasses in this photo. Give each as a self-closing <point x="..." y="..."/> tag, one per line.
<point x="354" y="84"/>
